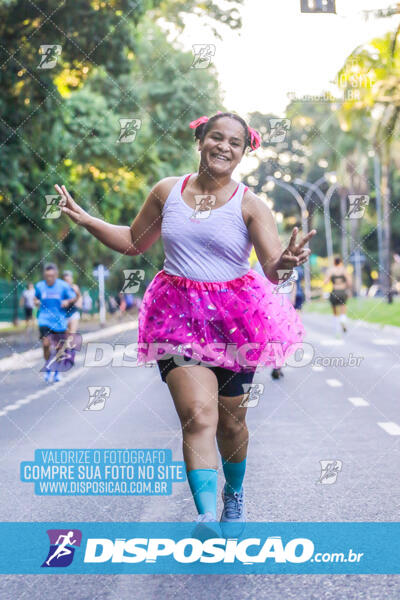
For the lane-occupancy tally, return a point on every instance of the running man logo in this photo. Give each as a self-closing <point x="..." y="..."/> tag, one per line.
<point x="278" y="130"/>
<point x="63" y="347"/>
<point x="98" y="395"/>
<point x="133" y="279"/>
<point x="128" y="130"/>
<point x="61" y="551"/>
<point x="287" y="279"/>
<point x="357" y="206"/>
<point x="329" y="471"/>
<point x="53" y="204"/>
<point x="49" y="57"/>
<point x="252" y="393"/>
<point x="202" y="210"/>
<point x="203" y="54"/>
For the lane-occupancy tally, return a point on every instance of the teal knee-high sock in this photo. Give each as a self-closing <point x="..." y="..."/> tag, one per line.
<point x="234" y="475"/>
<point x="203" y="484"/>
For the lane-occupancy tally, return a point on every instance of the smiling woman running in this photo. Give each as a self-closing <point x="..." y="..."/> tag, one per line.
<point x="206" y="302"/>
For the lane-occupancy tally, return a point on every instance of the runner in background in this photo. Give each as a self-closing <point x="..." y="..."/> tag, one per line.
<point x="28" y="303"/>
<point x="53" y="296"/>
<point x="87" y="304"/>
<point x="129" y="303"/>
<point x="72" y="312"/>
<point x="122" y="304"/>
<point x="341" y="290"/>
<point x="112" y="305"/>
<point x="298" y="295"/>
<point x="297" y="298"/>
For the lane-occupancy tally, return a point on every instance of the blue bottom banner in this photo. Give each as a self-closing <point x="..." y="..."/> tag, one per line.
<point x="150" y="548"/>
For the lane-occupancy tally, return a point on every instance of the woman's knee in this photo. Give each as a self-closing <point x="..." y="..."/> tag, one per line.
<point x="230" y="426"/>
<point x="198" y="419"/>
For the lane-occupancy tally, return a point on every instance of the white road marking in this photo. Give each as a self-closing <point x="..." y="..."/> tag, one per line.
<point x="385" y="342"/>
<point x="359" y="401"/>
<point x="390" y="428"/>
<point x="334" y="382"/>
<point x="43" y="392"/>
<point x="332" y="342"/>
<point x="24" y="400"/>
<point x="318" y="368"/>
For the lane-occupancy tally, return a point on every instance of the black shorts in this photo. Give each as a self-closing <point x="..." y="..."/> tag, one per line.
<point x="45" y="331"/>
<point x="229" y="382"/>
<point x="28" y="312"/>
<point x="338" y="297"/>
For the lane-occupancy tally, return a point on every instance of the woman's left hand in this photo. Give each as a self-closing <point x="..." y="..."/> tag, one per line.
<point x="295" y="254"/>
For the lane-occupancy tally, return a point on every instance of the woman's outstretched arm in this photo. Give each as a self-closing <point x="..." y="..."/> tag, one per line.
<point x="264" y="235"/>
<point x="136" y="239"/>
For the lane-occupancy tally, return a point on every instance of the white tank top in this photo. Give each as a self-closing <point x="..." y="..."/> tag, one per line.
<point x="206" y="245"/>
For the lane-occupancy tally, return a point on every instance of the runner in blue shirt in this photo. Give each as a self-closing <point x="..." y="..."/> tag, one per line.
<point x="53" y="296"/>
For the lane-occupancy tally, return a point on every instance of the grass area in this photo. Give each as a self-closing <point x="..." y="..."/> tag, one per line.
<point x="373" y="310"/>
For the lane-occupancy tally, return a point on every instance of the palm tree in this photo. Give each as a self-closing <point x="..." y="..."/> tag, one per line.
<point x="375" y="67"/>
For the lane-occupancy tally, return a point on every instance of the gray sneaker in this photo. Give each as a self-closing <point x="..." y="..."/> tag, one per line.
<point x="207" y="527"/>
<point x="233" y="517"/>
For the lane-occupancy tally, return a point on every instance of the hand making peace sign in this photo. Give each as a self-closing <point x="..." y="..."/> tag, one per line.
<point x="70" y="207"/>
<point x="295" y="254"/>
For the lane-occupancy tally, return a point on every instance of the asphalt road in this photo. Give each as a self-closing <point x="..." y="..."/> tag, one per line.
<point x="345" y="413"/>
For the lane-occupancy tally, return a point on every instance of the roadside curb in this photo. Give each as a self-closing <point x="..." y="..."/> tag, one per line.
<point x="356" y="323"/>
<point x="24" y="359"/>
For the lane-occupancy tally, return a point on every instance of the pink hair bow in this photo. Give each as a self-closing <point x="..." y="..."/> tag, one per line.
<point x="200" y="120"/>
<point x="255" y="138"/>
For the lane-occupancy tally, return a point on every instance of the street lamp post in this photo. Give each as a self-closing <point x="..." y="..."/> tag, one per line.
<point x="327" y="219"/>
<point x="378" y="197"/>
<point x="304" y="214"/>
<point x="314" y="188"/>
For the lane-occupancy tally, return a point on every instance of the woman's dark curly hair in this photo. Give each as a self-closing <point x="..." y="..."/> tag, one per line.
<point x="201" y="130"/>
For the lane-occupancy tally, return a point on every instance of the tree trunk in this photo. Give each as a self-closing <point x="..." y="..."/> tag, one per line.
<point x="387" y="283"/>
<point x="343" y="193"/>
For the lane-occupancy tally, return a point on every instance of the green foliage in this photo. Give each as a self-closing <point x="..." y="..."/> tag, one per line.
<point x="61" y="125"/>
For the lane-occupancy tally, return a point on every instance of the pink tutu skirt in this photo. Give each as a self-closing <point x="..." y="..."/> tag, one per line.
<point x="238" y="324"/>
